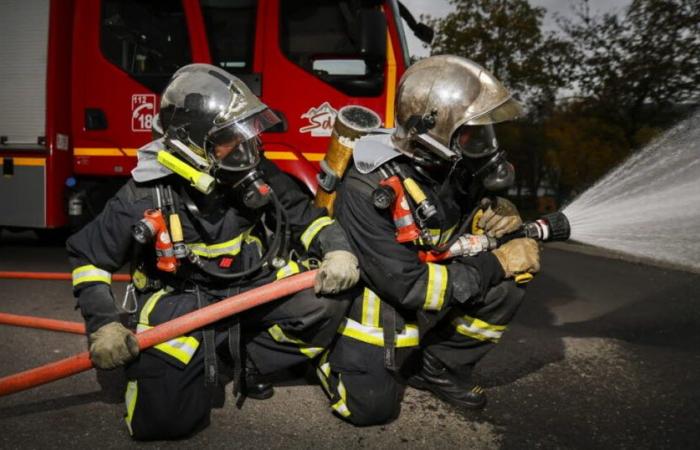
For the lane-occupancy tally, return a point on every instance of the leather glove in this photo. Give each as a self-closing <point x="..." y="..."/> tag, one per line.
<point x="500" y="219"/>
<point x="518" y="256"/>
<point x="112" y="345"/>
<point x="339" y="271"/>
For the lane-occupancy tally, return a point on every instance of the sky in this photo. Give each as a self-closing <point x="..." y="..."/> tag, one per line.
<point x="440" y="8"/>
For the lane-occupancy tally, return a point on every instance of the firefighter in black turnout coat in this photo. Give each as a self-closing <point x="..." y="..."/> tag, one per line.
<point x="206" y="217"/>
<point x="424" y="316"/>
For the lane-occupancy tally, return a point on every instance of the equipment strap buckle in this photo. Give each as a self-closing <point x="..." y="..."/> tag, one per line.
<point x="130" y="294"/>
<point x="327" y="179"/>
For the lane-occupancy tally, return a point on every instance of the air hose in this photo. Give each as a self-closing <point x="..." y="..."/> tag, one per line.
<point x="278" y="247"/>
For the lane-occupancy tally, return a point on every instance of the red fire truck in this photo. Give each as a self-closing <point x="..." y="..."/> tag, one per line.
<point x="81" y="78"/>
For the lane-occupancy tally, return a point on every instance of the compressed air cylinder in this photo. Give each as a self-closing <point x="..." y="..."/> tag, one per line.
<point x="351" y="124"/>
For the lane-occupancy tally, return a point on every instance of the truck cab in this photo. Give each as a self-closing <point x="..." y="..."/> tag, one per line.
<point x="83" y="91"/>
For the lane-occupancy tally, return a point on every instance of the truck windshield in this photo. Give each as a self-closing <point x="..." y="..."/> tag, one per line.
<point x="147" y="40"/>
<point x="231" y="33"/>
<point x="341" y="42"/>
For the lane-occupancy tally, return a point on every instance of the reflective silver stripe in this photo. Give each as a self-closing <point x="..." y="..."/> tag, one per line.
<point x="375" y="336"/>
<point x="403" y="221"/>
<point x="181" y="348"/>
<point x="279" y="336"/>
<point x="340" y="406"/>
<point x="230" y="248"/>
<point x="370" y="308"/>
<point x="290" y="269"/>
<point x="89" y="273"/>
<point x="312" y="230"/>
<point x="255" y="240"/>
<point x="132" y="390"/>
<point x="478" y="329"/>
<point x="437" y="285"/>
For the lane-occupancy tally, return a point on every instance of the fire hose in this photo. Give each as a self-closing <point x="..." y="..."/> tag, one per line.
<point x="42" y="323"/>
<point x="53" y="276"/>
<point x="164" y="332"/>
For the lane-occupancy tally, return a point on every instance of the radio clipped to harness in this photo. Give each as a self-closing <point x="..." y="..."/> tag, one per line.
<point x="152" y="228"/>
<point x="390" y="194"/>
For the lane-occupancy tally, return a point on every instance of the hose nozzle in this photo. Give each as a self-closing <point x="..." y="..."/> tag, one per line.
<point x="548" y="228"/>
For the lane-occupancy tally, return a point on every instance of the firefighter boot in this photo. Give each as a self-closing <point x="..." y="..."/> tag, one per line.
<point x="437" y="378"/>
<point x="254" y="386"/>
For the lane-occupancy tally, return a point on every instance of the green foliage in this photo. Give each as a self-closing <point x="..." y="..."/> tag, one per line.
<point x="635" y="70"/>
<point x="506" y="37"/>
<point x="633" y="74"/>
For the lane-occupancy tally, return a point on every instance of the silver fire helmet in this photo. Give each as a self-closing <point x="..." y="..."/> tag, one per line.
<point x="446" y="105"/>
<point x="215" y="116"/>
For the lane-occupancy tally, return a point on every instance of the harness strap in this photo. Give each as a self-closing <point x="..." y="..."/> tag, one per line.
<point x="389" y="328"/>
<point x="211" y="368"/>
<point x="234" y="348"/>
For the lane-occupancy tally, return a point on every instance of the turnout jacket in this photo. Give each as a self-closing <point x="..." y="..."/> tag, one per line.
<point x="221" y="231"/>
<point x="392" y="272"/>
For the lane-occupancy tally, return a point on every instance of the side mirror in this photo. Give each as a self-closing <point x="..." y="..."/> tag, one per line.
<point x="372" y="38"/>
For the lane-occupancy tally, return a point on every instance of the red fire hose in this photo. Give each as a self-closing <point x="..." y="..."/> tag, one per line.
<point x="54" y="276"/>
<point x="164" y="332"/>
<point x="42" y="323"/>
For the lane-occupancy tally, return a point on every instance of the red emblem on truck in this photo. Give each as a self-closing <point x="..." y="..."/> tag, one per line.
<point x="321" y="120"/>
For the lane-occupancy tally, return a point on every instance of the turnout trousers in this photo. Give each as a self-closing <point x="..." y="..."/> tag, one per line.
<point x="166" y="396"/>
<point x="364" y="392"/>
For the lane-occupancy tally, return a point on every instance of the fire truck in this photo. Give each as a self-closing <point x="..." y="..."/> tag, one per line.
<point x="81" y="82"/>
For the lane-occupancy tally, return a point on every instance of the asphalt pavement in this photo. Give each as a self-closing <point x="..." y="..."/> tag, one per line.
<point x="603" y="354"/>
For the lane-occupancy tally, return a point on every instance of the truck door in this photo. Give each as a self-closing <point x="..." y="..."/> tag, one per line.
<point x="320" y="55"/>
<point x="125" y="52"/>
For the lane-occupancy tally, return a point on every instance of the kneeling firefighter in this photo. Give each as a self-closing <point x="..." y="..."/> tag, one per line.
<point x="410" y="196"/>
<point x="194" y="222"/>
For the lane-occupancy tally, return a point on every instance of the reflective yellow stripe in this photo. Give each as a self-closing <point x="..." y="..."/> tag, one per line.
<point x="370" y="308"/>
<point x="35" y="162"/>
<point x="249" y="239"/>
<point x="312" y="230"/>
<point x="279" y="336"/>
<point x="181" y="348"/>
<point x="88" y="273"/>
<point x="375" y="336"/>
<point x="478" y="329"/>
<point x="390" y="83"/>
<point x="290" y="269"/>
<point x="150" y="304"/>
<point x="314" y="156"/>
<point x="340" y="406"/>
<point x="323" y="371"/>
<point x="230" y="248"/>
<point x="288" y="156"/>
<point x="132" y="390"/>
<point x="102" y="151"/>
<point x="442" y="236"/>
<point x="437" y="285"/>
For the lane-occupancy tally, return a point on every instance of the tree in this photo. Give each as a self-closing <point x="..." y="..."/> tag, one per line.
<point x="506" y="37"/>
<point x="636" y="71"/>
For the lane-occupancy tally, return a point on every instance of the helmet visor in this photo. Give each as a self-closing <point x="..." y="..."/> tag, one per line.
<point x="236" y="158"/>
<point x="245" y="129"/>
<point x="475" y="141"/>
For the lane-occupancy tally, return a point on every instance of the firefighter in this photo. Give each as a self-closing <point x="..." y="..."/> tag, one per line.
<point x="412" y="190"/>
<point x="192" y="223"/>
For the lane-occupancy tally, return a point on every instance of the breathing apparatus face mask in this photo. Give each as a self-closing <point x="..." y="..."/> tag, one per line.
<point x="482" y="161"/>
<point x="236" y="166"/>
